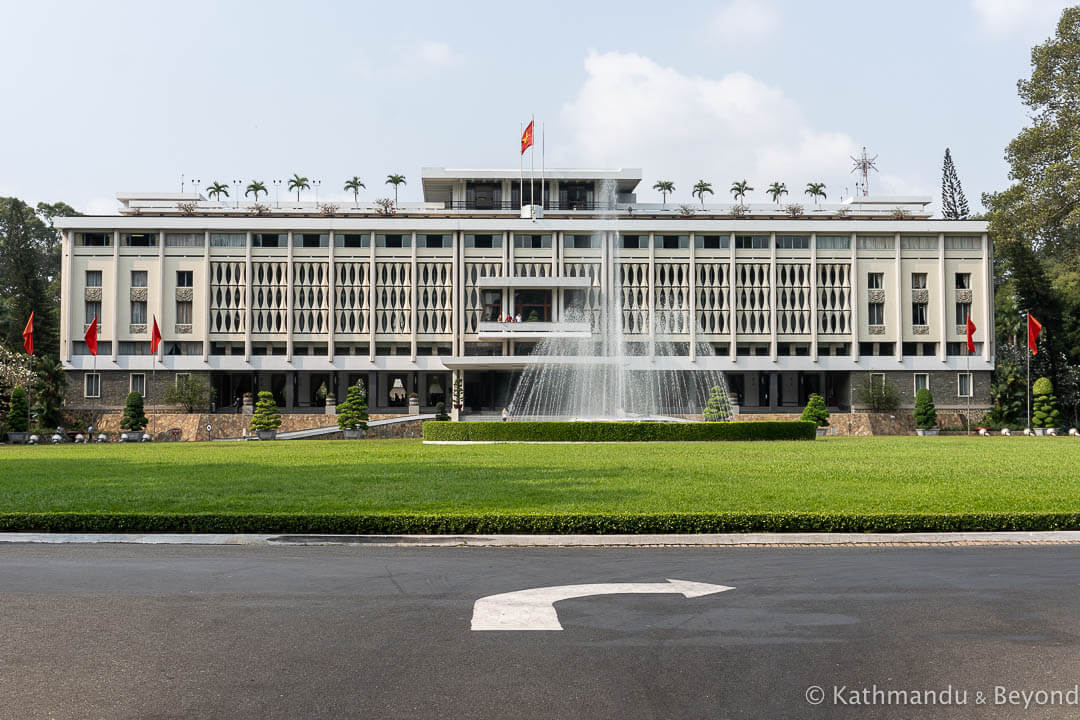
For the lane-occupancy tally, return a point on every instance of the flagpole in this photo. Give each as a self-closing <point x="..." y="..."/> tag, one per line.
<point x="971" y="391"/>
<point x="1027" y="388"/>
<point x="521" y="169"/>
<point x="543" y="153"/>
<point x="532" y="162"/>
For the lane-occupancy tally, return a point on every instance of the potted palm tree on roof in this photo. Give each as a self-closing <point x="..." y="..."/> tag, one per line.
<point x="664" y="187"/>
<point x="739" y="189"/>
<point x="395" y="180"/>
<point x="298" y="182"/>
<point x="700" y="188"/>
<point x="353" y="185"/>
<point x="777" y="190"/>
<point x="217" y="190"/>
<point x="816" y="190"/>
<point x="254" y="188"/>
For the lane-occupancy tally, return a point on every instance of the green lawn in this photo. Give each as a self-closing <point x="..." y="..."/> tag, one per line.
<point x="829" y="475"/>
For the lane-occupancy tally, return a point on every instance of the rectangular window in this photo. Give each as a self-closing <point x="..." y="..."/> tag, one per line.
<point x="183" y="312"/>
<point x="874" y="242"/>
<point x="92" y="385"/>
<point x="581" y="242"/>
<point x="963" y="384"/>
<point x="634" y="242"/>
<point x="94" y="239"/>
<point x="187" y="240"/>
<point x="492" y="300"/>
<point x="962" y="242"/>
<point x="184" y="278"/>
<point x="671" y="242"/>
<point x="918" y="242"/>
<point x="963" y="312"/>
<point x="269" y="240"/>
<point x="963" y="281"/>
<point x="876" y="314"/>
<point x="228" y="240"/>
<point x="535" y="242"/>
<point x="484" y="242"/>
<point x="137" y="383"/>
<point x="922" y="381"/>
<point x="93" y="310"/>
<point x="752" y="242"/>
<point x="310" y="240"/>
<point x="139" y="239"/>
<point x="133" y="348"/>
<point x="833" y="242"/>
<point x="918" y="314"/>
<point x="138" y="312"/>
<point x="712" y="242"/>
<point x="352" y="240"/>
<point x="93" y="278"/>
<point x="875" y="281"/>
<point x="138" y="278"/>
<point x="959" y="349"/>
<point x="877" y="379"/>
<point x="433" y="241"/>
<point x="793" y="242"/>
<point x="393" y="241"/>
<point x="918" y="281"/>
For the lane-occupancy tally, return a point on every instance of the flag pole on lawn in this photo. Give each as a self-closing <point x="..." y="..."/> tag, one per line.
<point x="1034" y="327"/>
<point x="28" y="345"/>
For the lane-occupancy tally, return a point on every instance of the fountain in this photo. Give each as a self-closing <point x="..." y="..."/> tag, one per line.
<point x="613" y="375"/>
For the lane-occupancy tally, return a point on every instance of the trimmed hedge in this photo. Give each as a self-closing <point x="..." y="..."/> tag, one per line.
<point x="548" y="524"/>
<point x="528" y="431"/>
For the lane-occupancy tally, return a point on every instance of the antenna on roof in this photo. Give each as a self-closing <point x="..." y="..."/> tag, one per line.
<point x="864" y="164"/>
<point x="181" y="183"/>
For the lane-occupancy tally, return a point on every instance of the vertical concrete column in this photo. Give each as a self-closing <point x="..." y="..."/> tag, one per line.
<point x="814" y="301"/>
<point x="773" y="323"/>
<point x="290" y="393"/>
<point x="652" y="294"/>
<point x="206" y="297"/>
<point x="159" y="306"/>
<point x="248" y="313"/>
<point x="371" y="296"/>
<point x="943" y="296"/>
<point x="413" y="281"/>
<point x="733" y="293"/>
<point x="608" y="308"/>
<point x="456" y="288"/>
<point x="289" y="301"/>
<point x="692" y="285"/>
<point x="67" y="294"/>
<point x="987" y="301"/>
<point x="899" y="302"/>
<point x="115" y="322"/>
<point x="331" y="298"/>
<point x="774" y="390"/>
<point x="855" y="299"/>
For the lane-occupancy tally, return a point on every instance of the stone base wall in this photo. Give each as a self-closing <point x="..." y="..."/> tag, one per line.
<point x="863" y="424"/>
<point x="192" y="426"/>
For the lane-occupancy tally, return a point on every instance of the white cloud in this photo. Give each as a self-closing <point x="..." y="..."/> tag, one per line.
<point x="438" y="54"/>
<point x="743" y="22"/>
<point x="683" y="128"/>
<point x="1006" y="17"/>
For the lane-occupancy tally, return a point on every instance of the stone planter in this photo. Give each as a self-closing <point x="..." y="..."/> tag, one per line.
<point x="18" y="438"/>
<point x="414" y="406"/>
<point x="331" y="405"/>
<point x="266" y="434"/>
<point x="354" y="434"/>
<point x="455" y="414"/>
<point x="1038" y="431"/>
<point x="927" y="433"/>
<point x="822" y="431"/>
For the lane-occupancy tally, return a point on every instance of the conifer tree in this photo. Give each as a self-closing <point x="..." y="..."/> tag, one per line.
<point x="954" y="205"/>
<point x="134" y="418"/>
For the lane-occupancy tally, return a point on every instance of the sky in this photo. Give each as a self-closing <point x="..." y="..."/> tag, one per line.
<point x="105" y="97"/>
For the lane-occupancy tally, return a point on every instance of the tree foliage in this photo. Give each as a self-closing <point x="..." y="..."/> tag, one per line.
<point x="18" y="419"/>
<point x="875" y="395"/>
<point x="718" y="406"/>
<point x="925" y="412"/>
<point x="189" y="392"/>
<point x="954" y="205"/>
<point x="815" y="411"/>
<point x="266" y="415"/>
<point x="1045" y="413"/>
<point x="133" y="418"/>
<point x="49" y="387"/>
<point x="352" y="413"/>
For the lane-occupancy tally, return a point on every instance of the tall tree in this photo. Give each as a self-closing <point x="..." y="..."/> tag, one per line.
<point x="353" y="185"/>
<point x="25" y="240"/>
<point x="1043" y="203"/>
<point x="395" y="180"/>
<point x="664" y="187"/>
<point x="954" y="206"/>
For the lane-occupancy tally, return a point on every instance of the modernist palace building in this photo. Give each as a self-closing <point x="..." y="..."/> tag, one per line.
<point x="292" y="296"/>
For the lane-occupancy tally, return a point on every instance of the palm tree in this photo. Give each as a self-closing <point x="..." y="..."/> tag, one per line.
<point x="739" y="189"/>
<point x="255" y="187"/>
<point x="217" y="190"/>
<point x="700" y="189"/>
<point x="395" y="180"/>
<point x="816" y="190"/>
<point x="298" y="183"/>
<point x="777" y="190"/>
<point x="353" y="185"/>
<point x="664" y="187"/>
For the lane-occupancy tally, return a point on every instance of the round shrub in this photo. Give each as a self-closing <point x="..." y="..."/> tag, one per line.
<point x="1045" y="413"/>
<point x="134" y="418"/>
<point x="815" y="411"/>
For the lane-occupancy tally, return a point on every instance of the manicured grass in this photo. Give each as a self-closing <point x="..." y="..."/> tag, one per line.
<point x="943" y="475"/>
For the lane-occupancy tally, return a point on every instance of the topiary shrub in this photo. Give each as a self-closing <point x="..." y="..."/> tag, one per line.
<point x="18" y="409"/>
<point x="266" y="415"/>
<point x="352" y="413"/>
<point x="440" y="412"/>
<point x="1045" y="413"/>
<point x="717" y="407"/>
<point x="815" y="411"/>
<point x="925" y="413"/>
<point x="134" y="418"/>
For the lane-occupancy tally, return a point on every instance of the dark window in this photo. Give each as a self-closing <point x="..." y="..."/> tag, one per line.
<point x="672" y="242"/>
<point x="963" y="312"/>
<point x="634" y="242"/>
<point x="963" y="281"/>
<point x="793" y="242"/>
<point x="876" y="316"/>
<point x="184" y="279"/>
<point x="393" y="241"/>
<point x="269" y="240"/>
<point x="93" y="278"/>
<point x="712" y="242"/>
<point x="433" y="241"/>
<point x="535" y="242"/>
<point x="95" y="239"/>
<point x="918" y="281"/>
<point x="492" y="305"/>
<point x="918" y="313"/>
<point x="875" y="281"/>
<point x="533" y="305"/>
<point x="351" y="240"/>
<point x="752" y="242"/>
<point x="311" y="240"/>
<point x="481" y="241"/>
<point x="140" y="239"/>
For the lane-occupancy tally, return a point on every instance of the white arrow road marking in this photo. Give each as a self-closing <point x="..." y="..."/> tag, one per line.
<point x="534" y="609"/>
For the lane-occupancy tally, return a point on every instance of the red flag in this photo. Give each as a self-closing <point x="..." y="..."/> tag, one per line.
<point x="91" y="337"/>
<point x="1034" y="328"/>
<point x="527" y="137"/>
<point x="28" y="335"/>
<point x="155" y="338"/>
<point x="970" y="335"/>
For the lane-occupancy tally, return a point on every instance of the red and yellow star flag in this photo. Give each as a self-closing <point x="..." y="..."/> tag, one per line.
<point x="91" y="337"/>
<point x="527" y="137"/>
<point x="970" y="335"/>
<point x="1034" y="328"/>
<point x="28" y="335"/>
<point x="155" y="338"/>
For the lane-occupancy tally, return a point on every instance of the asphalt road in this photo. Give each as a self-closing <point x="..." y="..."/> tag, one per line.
<point x="340" y="632"/>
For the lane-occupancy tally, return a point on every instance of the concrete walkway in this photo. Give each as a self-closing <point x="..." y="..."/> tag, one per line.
<point x="331" y="429"/>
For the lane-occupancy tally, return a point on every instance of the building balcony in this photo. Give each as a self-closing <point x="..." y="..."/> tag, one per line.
<point x="532" y="330"/>
<point x="518" y="281"/>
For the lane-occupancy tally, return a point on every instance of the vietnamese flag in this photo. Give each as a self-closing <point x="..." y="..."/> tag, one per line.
<point x="970" y="335"/>
<point x="28" y="335"/>
<point x="527" y="137"/>
<point x="91" y="337"/>
<point x="1034" y="328"/>
<point x="155" y="338"/>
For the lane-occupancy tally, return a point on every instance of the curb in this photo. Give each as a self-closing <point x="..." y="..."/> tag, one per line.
<point x="1058" y="537"/>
